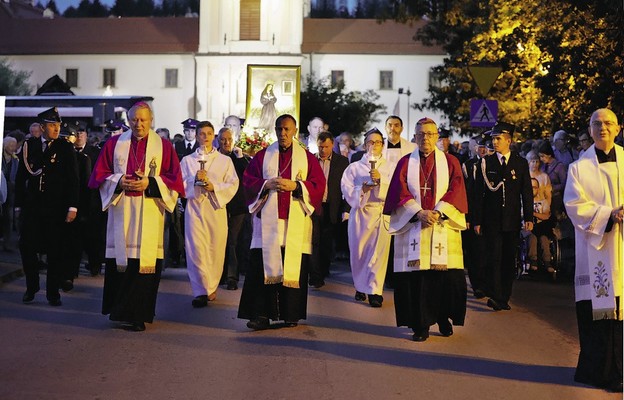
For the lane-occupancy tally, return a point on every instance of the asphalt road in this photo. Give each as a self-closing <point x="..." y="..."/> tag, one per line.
<point x="344" y="350"/>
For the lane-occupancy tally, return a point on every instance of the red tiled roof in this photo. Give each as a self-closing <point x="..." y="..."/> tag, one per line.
<point x="99" y="36"/>
<point x="362" y="36"/>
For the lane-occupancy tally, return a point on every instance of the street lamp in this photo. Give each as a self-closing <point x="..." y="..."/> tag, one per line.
<point x="408" y="93"/>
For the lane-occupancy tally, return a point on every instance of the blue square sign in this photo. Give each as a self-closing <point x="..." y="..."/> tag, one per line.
<point x="483" y="113"/>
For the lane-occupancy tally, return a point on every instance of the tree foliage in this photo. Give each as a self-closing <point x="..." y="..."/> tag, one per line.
<point x="12" y="82"/>
<point x="561" y="60"/>
<point x="343" y="111"/>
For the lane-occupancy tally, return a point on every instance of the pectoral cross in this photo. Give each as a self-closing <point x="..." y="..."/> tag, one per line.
<point x="425" y="188"/>
<point x="413" y="244"/>
<point x="439" y="247"/>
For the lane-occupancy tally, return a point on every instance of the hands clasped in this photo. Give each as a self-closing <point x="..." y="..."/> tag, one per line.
<point x="428" y="217"/>
<point x="281" y="185"/>
<point x="133" y="184"/>
<point x="202" y="176"/>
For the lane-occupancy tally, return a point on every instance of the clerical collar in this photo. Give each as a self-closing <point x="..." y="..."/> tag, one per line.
<point x="394" y="146"/>
<point x="425" y="155"/>
<point x="284" y="149"/>
<point x="605" y="157"/>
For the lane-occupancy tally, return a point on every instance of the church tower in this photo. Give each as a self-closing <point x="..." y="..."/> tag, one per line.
<point x="233" y="34"/>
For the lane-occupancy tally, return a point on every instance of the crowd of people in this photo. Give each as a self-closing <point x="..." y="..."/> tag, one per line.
<point x="411" y="215"/>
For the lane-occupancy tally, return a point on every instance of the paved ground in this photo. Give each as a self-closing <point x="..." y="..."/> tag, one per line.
<point x="344" y="350"/>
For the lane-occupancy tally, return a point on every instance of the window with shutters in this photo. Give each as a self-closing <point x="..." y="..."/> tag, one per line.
<point x="337" y="77"/>
<point x="171" y="77"/>
<point x="385" y="80"/>
<point x="250" y="19"/>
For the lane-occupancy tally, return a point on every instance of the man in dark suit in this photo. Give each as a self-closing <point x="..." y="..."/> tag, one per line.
<point x="47" y="197"/>
<point x="189" y="144"/>
<point x="237" y="212"/>
<point x="324" y="225"/>
<point x="503" y="205"/>
<point x="474" y="246"/>
<point x="176" y="226"/>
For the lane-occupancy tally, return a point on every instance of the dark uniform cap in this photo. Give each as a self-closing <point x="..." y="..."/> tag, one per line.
<point x="444" y="134"/>
<point x="113" y="125"/>
<point x="489" y="145"/>
<point x="68" y="129"/>
<point x="50" y="115"/>
<point x="483" y="139"/>
<point x="81" y="126"/>
<point x="371" y="131"/>
<point x="503" y="127"/>
<point x="190" y="123"/>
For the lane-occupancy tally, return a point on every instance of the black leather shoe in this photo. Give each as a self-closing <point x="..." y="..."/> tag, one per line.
<point x="479" y="294"/>
<point x="317" y="284"/>
<point x="505" y="306"/>
<point x="259" y="324"/>
<point x="359" y="296"/>
<point x="232" y="285"/>
<point x="28" y="297"/>
<point x="200" y="301"/>
<point x="420" y="336"/>
<point x="137" y="327"/>
<point x="493" y="305"/>
<point x="446" y="329"/>
<point x="67" y="285"/>
<point x="375" y="300"/>
<point x="290" y="324"/>
<point x="55" y="302"/>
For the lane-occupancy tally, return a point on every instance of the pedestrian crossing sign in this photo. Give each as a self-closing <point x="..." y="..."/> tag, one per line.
<point x="483" y="113"/>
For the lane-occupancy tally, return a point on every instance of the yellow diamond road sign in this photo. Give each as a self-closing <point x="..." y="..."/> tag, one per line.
<point x="485" y="77"/>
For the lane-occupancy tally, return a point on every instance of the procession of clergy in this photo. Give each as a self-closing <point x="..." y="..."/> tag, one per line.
<point x="407" y="207"/>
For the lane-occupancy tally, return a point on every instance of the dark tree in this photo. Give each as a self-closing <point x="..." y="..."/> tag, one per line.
<point x="344" y="111"/>
<point x="52" y="6"/>
<point x="13" y="82"/>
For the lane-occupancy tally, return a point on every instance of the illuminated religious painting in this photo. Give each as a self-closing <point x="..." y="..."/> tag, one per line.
<point x="272" y="90"/>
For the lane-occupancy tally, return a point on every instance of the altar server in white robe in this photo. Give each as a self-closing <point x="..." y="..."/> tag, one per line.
<point x="427" y="204"/>
<point x="594" y="200"/>
<point x="364" y="186"/>
<point x="210" y="182"/>
<point x="138" y="175"/>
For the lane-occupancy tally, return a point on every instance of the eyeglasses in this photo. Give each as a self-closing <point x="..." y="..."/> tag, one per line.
<point x="425" y="134"/>
<point x="598" y="124"/>
<point x="374" y="142"/>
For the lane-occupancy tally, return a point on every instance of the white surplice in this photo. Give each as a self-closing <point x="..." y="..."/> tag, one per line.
<point x="205" y="218"/>
<point x="369" y="240"/>
<point x="592" y="191"/>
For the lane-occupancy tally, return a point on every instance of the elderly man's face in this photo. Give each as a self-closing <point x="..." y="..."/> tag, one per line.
<point x="394" y="129"/>
<point x="226" y="142"/>
<point x="315" y="127"/>
<point x="285" y="130"/>
<point x="603" y="128"/>
<point x="234" y="125"/>
<point x="426" y="137"/>
<point x="140" y="122"/>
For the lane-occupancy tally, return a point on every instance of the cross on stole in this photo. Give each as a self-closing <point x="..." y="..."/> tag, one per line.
<point x="413" y="244"/>
<point x="425" y="188"/>
<point x="439" y="247"/>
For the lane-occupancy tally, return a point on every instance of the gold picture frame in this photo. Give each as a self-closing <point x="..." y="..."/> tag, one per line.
<point x="272" y="90"/>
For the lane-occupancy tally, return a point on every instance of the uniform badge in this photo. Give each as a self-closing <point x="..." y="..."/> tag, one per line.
<point x="513" y="174"/>
<point x="53" y="159"/>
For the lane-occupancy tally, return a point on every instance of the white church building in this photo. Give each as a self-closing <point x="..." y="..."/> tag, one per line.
<point x="197" y="67"/>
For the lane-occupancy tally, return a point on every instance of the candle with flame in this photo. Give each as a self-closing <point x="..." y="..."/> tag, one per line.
<point x="202" y="167"/>
<point x="372" y="159"/>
